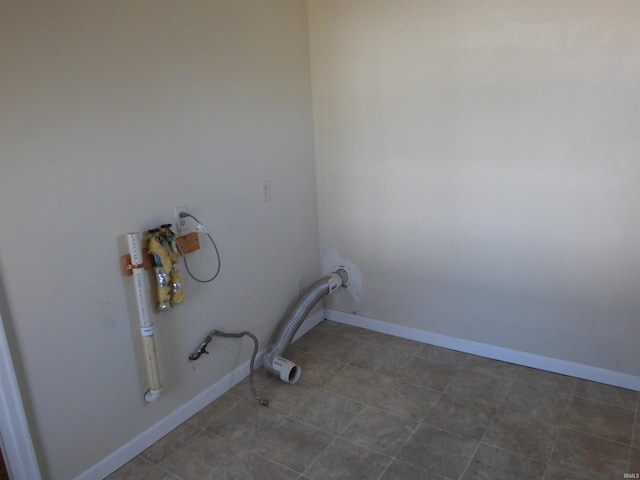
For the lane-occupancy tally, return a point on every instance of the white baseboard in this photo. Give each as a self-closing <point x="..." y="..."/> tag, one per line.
<point x="138" y="444"/>
<point x="540" y="362"/>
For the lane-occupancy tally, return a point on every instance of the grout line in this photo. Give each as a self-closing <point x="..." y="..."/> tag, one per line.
<point x="555" y="441"/>
<point x="481" y="439"/>
<point x="409" y="437"/>
<point x="270" y="460"/>
<point x="593" y="435"/>
<point x="562" y="427"/>
<point x="335" y="437"/>
<point x="168" y="472"/>
<point x="603" y="402"/>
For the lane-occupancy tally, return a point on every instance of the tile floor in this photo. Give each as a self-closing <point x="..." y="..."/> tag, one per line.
<point x="372" y="406"/>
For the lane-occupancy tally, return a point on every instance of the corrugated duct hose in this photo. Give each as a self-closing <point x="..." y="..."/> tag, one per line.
<point x="273" y="361"/>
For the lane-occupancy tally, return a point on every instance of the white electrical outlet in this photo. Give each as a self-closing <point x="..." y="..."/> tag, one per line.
<point x="181" y="223"/>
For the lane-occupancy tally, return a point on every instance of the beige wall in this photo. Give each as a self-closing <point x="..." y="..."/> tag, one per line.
<point x="112" y="114"/>
<point x="479" y="165"/>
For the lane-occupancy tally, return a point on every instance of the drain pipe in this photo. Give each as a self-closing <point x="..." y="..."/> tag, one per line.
<point x="146" y="327"/>
<point x="273" y="361"/>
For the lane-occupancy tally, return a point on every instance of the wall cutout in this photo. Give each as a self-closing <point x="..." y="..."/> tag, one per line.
<point x="331" y="260"/>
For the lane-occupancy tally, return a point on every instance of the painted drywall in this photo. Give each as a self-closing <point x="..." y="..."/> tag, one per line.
<point x="114" y="113"/>
<point x="478" y="162"/>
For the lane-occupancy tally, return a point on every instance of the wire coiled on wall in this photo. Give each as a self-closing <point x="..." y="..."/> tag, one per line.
<point x="215" y="247"/>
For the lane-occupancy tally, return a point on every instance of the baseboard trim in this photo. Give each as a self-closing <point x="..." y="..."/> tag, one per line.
<point x="555" y="365"/>
<point x="141" y="442"/>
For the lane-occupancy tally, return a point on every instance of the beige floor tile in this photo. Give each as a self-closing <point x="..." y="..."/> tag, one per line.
<point x="216" y="409"/>
<point x="249" y="466"/>
<point x="557" y="473"/>
<point x="247" y="424"/>
<point x="383" y="360"/>
<point x="379" y="430"/>
<point x="491" y="463"/>
<point x="201" y="458"/>
<point x="540" y="403"/>
<point x="403" y="471"/>
<point x="634" y="464"/>
<point x="344" y="460"/>
<point x="284" y="397"/>
<point x="338" y="349"/>
<point x="328" y="411"/>
<point x="479" y="388"/>
<point x="437" y="451"/>
<point x="590" y="456"/>
<point x="293" y="444"/>
<point x="403" y="399"/>
<point x="522" y="435"/>
<point x="461" y="416"/>
<point x="356" y="383"/>
<point x="601" y="419"/>
<point x="429" y="374"/>
<point x="620" y="397"/>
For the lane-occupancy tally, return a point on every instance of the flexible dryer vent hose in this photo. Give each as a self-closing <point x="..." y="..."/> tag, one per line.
<point x="273" y="361"/>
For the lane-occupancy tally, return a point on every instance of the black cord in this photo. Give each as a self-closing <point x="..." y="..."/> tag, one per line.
<point x="203" y="349"/>
<point x="215" y="247"/>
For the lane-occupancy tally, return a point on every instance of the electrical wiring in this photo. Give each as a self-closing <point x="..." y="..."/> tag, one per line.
<point x="215" y="247"/>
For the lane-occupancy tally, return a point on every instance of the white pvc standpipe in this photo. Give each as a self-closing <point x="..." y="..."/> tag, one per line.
<point x="146" y="327"/>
